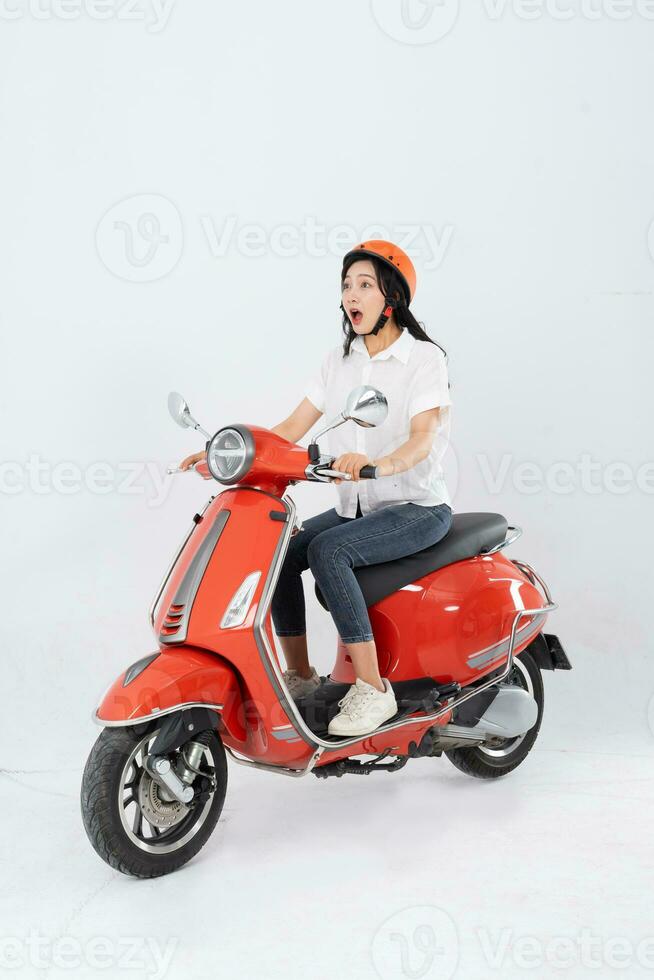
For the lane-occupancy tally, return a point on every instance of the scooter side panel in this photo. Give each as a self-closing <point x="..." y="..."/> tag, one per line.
<point x="247" y="543"/>
<point x="176" y="677"/>
<point x="452" y="624"/>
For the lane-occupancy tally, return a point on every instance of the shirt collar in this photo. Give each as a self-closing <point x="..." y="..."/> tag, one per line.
<point x="401" y="348"/>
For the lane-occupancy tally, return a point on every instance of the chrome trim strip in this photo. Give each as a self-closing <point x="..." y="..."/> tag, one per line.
<point x="487" y="656"/>
<point x="282" y="770"/>
<point x="509" y="539"/>
<point x="188" y="588"/>
<point x="275" y="676"/>
<point x="153" y="715"/>
<point x="267" y="654"/>
<point x="285" y="734"/>
<point x="164" y="582"/>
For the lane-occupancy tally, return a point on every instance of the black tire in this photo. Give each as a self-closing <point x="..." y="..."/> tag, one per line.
<point x="102" y="797"/>
<point x="479" y="761"/>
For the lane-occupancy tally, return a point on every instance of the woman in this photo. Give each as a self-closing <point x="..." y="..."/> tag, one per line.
<point x="404" y="510"/>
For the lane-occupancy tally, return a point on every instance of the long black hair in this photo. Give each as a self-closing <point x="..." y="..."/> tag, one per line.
<point x="387" y="281"/>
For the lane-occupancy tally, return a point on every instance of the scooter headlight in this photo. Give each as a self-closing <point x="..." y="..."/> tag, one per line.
<point x="230" y="454"/>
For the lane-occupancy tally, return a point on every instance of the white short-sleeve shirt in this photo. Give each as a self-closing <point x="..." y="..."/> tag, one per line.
<point x="412" y="374"/>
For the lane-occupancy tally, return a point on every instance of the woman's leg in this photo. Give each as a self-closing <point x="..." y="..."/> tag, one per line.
<point x="392" y="532"/>
<point x="288" y="607"/>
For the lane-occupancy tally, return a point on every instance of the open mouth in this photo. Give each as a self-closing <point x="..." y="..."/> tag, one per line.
<point x="356" y="316"/>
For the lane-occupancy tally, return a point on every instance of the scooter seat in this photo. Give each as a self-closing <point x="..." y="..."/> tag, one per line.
<point x="469" y="535"/>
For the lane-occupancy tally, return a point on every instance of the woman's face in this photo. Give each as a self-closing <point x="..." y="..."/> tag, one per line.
<point x="362" y="298"/>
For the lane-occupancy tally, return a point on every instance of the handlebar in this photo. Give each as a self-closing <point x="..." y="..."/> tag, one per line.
<point x="368" y="472"/>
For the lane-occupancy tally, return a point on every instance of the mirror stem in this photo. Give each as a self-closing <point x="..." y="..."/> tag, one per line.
<point x="332" y="425"/>
<point x="203" y="432"/>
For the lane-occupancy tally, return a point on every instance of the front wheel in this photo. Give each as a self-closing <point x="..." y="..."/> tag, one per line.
<point x="134" y="825"/>
<point x="499" y="756"/>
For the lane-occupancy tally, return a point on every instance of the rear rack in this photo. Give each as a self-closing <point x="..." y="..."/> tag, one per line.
<point x="509" y="539"/>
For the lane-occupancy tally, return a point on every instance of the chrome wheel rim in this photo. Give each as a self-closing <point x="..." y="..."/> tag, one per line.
<point x="172" y="825"/>
<point x="499" y="748"/>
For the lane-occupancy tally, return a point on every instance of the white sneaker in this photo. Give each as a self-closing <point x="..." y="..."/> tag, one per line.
<point x="301" y="687"/>
<point x="363" y="709"/>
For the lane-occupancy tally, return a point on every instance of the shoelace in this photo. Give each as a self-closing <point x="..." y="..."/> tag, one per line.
<point x="354" y="702"/>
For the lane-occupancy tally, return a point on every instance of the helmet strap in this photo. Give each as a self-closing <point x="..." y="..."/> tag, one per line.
<point x="385" y="316"/>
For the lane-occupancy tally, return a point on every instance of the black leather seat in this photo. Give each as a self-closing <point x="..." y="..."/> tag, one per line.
<point x="469" y="535"/>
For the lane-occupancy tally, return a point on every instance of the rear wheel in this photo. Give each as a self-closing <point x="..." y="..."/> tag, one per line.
<point x="135" y="826"/>
<point x="499" y="756"/>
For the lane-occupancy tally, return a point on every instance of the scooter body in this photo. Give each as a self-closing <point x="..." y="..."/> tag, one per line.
<point x="458" y="630"/>
<point x="451" y="626"/>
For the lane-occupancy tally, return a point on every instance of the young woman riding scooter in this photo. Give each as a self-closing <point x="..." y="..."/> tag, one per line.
<point x="404" y="511"/>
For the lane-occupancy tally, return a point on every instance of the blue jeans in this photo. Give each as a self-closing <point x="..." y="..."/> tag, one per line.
<point x="332" y="546"/>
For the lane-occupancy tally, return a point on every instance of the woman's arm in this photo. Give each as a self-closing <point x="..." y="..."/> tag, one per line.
<point x="296" y="426"/>
<point x="424" y="426"/>
<point x="417" y="447"/>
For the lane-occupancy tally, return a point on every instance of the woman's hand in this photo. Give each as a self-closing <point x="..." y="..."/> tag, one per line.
<point x="350" y="463"/>
<point x="191" y="460"/>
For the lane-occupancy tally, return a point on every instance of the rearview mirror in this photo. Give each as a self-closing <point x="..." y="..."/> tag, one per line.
<point x="181" y="413"/>
<point x="366" y="406"/>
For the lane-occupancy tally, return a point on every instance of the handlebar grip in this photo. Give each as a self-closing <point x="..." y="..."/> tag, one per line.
<point x="368" y="473"/>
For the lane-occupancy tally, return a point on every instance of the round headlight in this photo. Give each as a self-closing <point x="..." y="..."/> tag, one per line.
<point x="230" y="455"/>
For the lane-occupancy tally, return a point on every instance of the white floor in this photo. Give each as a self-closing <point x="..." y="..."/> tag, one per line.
<point x="421" y="873"/>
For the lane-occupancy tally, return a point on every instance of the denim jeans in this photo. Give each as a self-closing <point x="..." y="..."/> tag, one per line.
<point x="332" y="546"/>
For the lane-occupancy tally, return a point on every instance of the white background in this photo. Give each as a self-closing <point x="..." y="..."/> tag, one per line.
<point x="522" y="145"/>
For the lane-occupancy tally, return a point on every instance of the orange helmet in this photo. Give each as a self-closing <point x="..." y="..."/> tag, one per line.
<point x="394" y="257"/>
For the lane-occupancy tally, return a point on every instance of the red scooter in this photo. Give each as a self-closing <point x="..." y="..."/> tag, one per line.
<point x="458" y="629"/>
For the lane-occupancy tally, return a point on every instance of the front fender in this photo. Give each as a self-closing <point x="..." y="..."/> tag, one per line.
<point x="169" y="680"/>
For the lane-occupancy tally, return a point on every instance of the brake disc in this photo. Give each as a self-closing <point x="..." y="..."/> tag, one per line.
<point x="156" y="810"/>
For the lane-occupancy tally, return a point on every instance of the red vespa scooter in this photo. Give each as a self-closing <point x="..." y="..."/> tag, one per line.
<point x="458" y="629"/>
